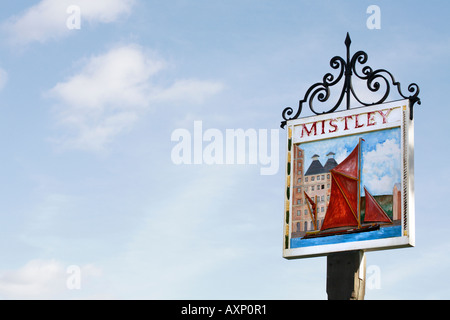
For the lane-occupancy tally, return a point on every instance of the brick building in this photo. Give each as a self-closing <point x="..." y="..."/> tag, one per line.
<point x="316" y="183"/>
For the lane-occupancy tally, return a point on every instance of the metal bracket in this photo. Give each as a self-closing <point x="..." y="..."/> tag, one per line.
<point x="347" y="68"/>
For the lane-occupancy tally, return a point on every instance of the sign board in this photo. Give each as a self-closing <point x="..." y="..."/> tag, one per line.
<point x="349" y="181"/>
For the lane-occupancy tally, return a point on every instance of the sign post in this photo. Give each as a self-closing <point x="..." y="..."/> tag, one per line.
<point x="346" y="272"/>
<point x="350" y="174"/>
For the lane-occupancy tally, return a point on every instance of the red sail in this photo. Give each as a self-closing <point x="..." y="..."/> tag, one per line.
<point x="343" y="207"/>
<point x="313" y="205"/>
<point x="349" y="166"/>
<point x="339" y="213"/>
<point x="349" y="189"/>
<point x="374" y="212"/>
<point x="314" y="211"/>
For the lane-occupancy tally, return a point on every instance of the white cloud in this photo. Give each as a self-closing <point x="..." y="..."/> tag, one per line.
<point x="41" y="279"/>
<point x="118" y="77"/>
<point x="103" y="10"/>
<point x="382" y="167"/>
<point x="47" y="19"/>
<point x="112" y="90"/>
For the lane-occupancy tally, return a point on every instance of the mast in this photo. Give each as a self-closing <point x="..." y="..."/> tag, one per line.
<point x="313" y="212"/>
<point x="359" y="183"/>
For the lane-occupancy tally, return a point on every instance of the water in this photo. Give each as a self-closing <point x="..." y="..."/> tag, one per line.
<point x="386" y="232"/>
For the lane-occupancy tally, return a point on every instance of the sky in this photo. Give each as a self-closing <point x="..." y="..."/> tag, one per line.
<point x="93" y="205"/>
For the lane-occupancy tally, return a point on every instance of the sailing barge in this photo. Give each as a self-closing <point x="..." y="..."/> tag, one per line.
<point x="343" y="215"/>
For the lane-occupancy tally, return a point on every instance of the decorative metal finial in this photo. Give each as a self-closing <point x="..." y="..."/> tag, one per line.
<point x="347" y="67"/>
<point x="348" y="41"/>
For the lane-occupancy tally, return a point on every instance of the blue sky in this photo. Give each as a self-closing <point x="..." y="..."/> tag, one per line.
<point x="86" y="117"/>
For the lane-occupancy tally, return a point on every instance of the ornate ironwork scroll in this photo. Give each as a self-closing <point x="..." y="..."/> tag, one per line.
<point x="377" y="81"/>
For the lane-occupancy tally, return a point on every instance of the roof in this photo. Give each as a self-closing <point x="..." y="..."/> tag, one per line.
<point x="330" y="164"/>
<point x="315" y="168"/>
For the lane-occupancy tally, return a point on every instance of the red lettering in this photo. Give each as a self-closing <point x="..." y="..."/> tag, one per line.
<point x="370" y="121"/>
<point x="357" y="125"/>
<point x="333" y="125"/>
<point x="308" y="132"/>
<point x="388" y="111"/>
<point x="323" y="126"/>
<point x="345" y="119"/>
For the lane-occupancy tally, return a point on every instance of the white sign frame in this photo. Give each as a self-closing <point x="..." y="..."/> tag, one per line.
<point x="353" y="122"/>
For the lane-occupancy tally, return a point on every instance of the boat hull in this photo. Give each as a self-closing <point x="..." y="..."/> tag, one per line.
<point x="341" y="232"/>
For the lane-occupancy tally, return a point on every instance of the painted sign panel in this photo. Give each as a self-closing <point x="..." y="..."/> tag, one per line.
<point x="349" y="181"/>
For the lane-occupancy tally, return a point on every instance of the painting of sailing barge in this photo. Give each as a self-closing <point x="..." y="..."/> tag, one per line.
<point x="351" y="195"/>
<point x="349" y="181"/>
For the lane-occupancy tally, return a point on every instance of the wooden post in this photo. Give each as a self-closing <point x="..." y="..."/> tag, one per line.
<point x="346" y="273"/>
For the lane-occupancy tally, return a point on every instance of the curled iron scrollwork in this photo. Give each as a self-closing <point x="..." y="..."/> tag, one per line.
<point x="377" y="81"/>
